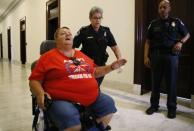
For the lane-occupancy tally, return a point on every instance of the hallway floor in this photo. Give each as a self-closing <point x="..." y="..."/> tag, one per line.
<point x="16" y="114"/>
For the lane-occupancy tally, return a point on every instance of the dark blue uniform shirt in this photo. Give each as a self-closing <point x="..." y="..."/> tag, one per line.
<point x="165" y="33"/>
<point x="94" y="43"/>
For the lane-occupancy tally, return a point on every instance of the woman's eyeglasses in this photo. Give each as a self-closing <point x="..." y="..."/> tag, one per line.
<point x="97" y="18"/>
<point x="75" y="61"/>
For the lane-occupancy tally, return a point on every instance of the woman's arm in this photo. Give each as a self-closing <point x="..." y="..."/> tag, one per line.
<point x="37" y="90"/>
<point x="116" y="51"/>
<point x="103" y="70"/>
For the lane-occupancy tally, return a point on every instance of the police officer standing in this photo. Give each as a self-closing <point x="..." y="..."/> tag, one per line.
<point x="95" y="39"/>
<point x="165" y="38"/>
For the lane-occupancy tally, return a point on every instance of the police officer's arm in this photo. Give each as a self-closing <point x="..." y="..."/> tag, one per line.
<point x="184" y="39"/>
<point x="112" y="43"/>
<point x="103" y="70"/>
<point x="183" y="32"/>
<point x="146" y="53"/>
<point x="179" y="44"/>
<point x="147" y="44"/>
<point x="116" y="51"/>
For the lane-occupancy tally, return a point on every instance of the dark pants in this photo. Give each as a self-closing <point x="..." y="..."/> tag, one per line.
<point x="164" y="65"/>
<point x="99" y="80"/>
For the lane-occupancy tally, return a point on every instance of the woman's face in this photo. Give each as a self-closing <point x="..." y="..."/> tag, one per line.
<point x="96" y="20"/>
<point x="64" y="38"/>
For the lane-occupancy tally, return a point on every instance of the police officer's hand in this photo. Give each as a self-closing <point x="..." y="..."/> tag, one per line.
<point x="177" y="47"/>
<point x="147" y="62"/>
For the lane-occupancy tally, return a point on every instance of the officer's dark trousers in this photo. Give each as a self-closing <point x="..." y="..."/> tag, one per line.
<point x="99" y="80"/>
<point x="164" y="65"/>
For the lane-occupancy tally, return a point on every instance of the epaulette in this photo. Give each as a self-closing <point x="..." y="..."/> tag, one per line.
<point x="105" y="27"/>
<point x="179" y="20"/>
<point x="84" y="27"/>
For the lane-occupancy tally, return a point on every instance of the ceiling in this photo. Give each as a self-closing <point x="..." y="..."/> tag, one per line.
<point x="6" y="6"/>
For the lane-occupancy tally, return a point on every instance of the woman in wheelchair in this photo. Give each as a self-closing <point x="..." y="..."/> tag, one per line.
<point x="67" y="76"/>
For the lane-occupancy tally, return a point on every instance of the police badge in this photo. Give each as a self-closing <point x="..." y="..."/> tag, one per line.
<point x="173" y="24"/>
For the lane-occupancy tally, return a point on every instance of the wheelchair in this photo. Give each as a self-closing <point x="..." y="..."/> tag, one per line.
<point x="87" y="116"/>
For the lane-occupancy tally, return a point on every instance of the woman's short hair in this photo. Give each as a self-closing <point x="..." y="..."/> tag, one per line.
<point x="94" y="10"/>
<point x="57" y="31"/>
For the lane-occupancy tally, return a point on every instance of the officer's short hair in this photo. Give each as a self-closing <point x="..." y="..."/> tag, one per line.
<point x="94" y="10"/>
<point x="57" y="31"/>
<point x="166" y="1"/>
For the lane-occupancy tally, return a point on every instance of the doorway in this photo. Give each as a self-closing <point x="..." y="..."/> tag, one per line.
<point x="146" y="11"/>
<point x="9" y="42"/>
<point x="23" y="40"/>
<point x="52" y="18"/>
<point x="1" y="45"/>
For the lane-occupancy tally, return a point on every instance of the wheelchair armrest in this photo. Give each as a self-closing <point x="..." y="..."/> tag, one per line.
<point x="47" y="102"/>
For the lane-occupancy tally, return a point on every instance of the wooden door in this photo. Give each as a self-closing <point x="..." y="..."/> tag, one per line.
<point x="1" y="45"/>
<point x="52" y="18"/>
<point x="9" y="42"/>
<point x="23" y="40"/>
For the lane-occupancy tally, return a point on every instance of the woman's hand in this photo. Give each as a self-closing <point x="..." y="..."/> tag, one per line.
<point x="41" y="99"/>
<point x="117" y="64"/>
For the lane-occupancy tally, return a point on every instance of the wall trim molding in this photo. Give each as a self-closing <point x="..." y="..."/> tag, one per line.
<point x="126" y="87"/>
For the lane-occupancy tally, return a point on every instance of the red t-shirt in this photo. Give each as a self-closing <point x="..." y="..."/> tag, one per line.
<point x="63" y="80"/>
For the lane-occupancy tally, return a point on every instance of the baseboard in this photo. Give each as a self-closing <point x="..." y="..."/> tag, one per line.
<point x="192" y="101"/>
<point x="16" y="62"/>
<point x="128" y="88"/>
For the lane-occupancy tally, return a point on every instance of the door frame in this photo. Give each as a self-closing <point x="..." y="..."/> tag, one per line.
<point x="52" y="16"/>
<point x="140" y="26"/>
<point x="1" y="44"/>
<point x="23" y="37"/>
<point x="9" y="42"/>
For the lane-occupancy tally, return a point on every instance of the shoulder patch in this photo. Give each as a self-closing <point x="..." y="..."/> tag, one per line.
<point x="153" y="21"/>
